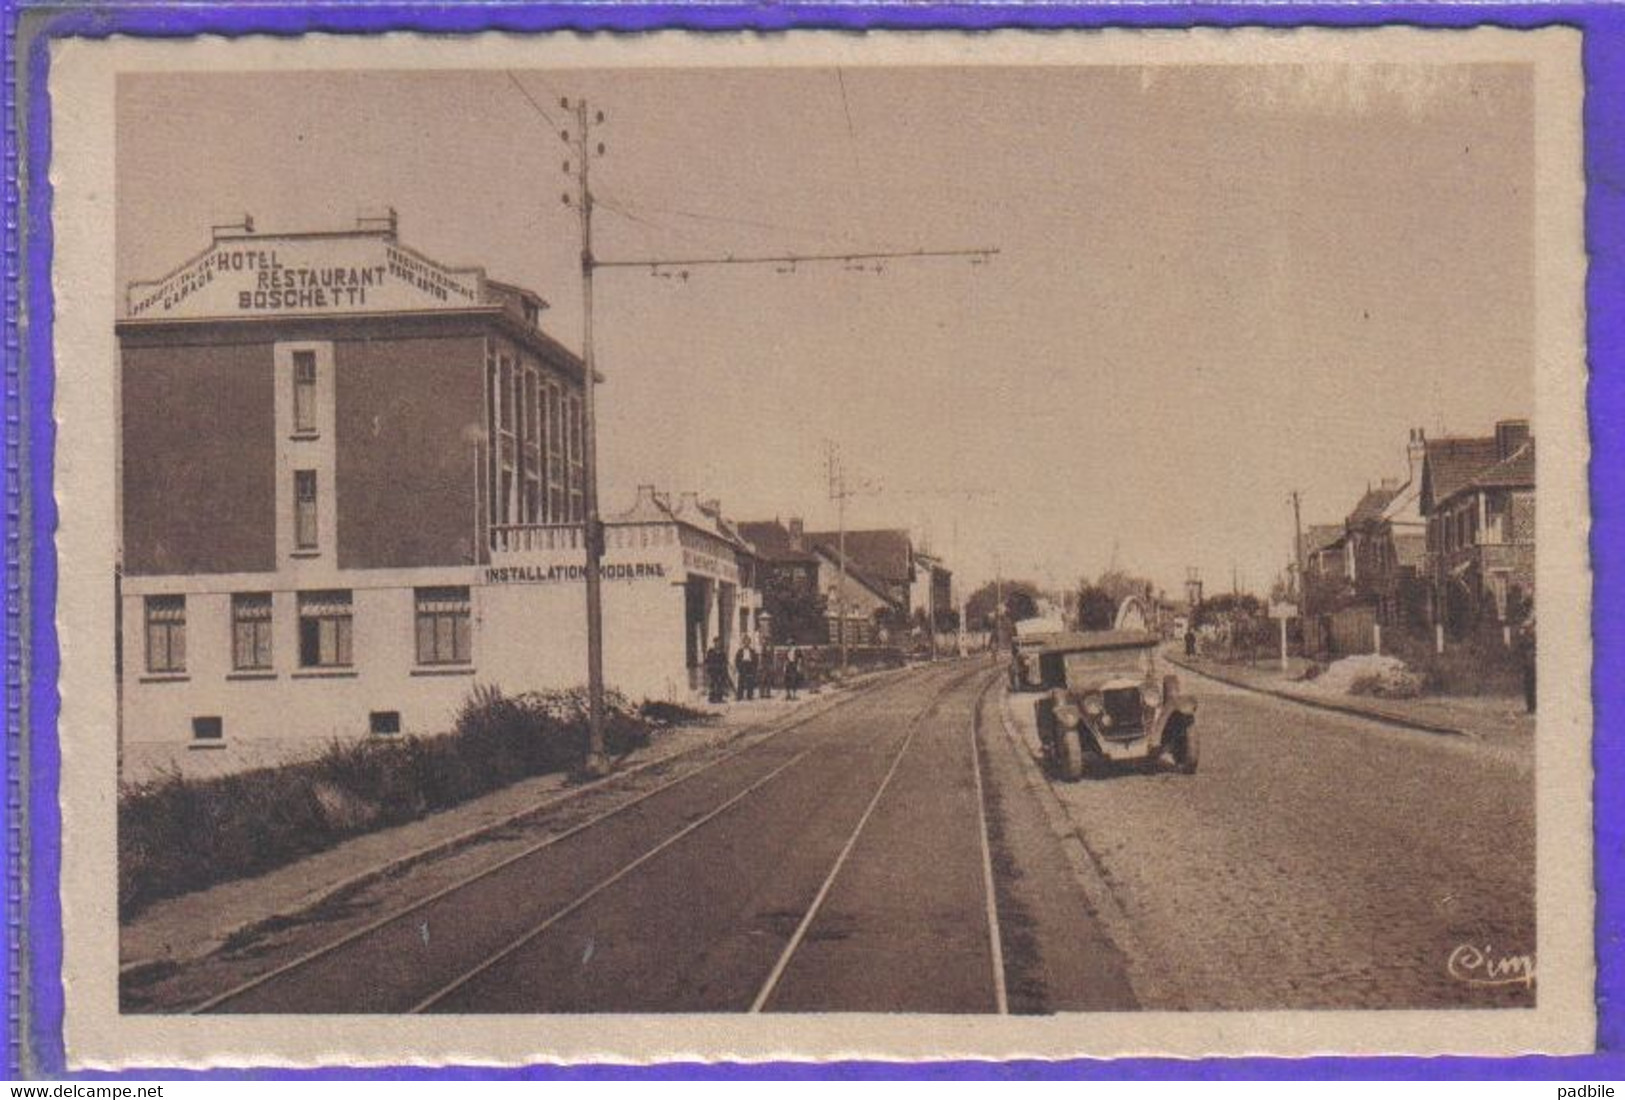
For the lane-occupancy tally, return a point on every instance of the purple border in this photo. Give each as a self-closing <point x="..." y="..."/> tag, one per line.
<point x="1604" y="62"/>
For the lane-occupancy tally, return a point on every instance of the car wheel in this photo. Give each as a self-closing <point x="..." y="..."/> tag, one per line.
<point x="1185" y="750"/>
<point x="1069" y="755"/>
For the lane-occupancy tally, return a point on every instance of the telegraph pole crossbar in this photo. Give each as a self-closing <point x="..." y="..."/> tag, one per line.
<point x="804" y="258"/>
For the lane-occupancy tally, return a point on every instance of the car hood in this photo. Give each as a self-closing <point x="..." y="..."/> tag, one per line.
<point x="1108" y="683"/>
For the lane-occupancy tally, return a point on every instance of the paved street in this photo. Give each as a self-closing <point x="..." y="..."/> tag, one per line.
<point x="838" y="865"/>
<point x="1316" y="860"/>
<point x="847" y="864"/>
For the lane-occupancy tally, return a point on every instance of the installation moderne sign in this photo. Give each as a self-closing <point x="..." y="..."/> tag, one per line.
<point x="313" y="273"/>
<point x="559" y="574"/>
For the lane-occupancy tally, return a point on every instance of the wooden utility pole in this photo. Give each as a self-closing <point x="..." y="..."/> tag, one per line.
<point x="597" y="763"/>
<point x="1297" y="555"/>
<point x="838" y="493"/>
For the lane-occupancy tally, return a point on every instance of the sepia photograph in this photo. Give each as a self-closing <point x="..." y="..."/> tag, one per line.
<point x="813" y="545"/>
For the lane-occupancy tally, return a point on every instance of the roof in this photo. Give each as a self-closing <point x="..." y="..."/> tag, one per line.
<point x="1516" y="471"/>
<point x="1371" y="506"/>
<point x="1080" y="641"/>
<point x="886" y="554"/>
<point x="772" y="541"/>
<point x="1321" y="536"/>
<point x="655" y="507"/>
<point x="1451" y="463"/>
<point x="1405" y="508"/>
<point x="856" y="572"/>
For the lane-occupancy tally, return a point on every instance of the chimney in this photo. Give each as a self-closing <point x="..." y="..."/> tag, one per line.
<point x="1415" y="451"/>
<point x="1509" y="436"/>
<point x="714" y="506"/>
<point x="646" y="498"/>
<point x="1390" y="484"/>
<point x="688" y="502"/>
<point x="797" y="533"/>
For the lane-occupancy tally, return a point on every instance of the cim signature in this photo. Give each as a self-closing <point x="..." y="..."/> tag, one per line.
<point x="1482" y="966"/>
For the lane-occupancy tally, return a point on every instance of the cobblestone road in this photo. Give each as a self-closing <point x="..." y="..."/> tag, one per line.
<point x="1315" y="861"/>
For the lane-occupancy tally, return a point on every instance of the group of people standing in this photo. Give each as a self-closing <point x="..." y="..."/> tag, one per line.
<point x="757" y="667"/>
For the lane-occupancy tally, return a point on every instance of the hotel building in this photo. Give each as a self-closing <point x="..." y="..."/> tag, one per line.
<point x="352" y="487"/>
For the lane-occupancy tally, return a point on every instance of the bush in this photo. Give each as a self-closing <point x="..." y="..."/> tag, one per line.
<point x="1478" y="666"/>
<point x="176" y="834"/>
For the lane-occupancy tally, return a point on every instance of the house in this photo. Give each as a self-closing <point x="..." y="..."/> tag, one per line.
<point x="1325" y="560"/>
<point x="789" y="580"/>
<point x="1385" y="539"/>
<point x="879" y="566"/>
<point x="1478" y="500"/>
<point x="885" y="555"/>
<point x="856" y="602"/>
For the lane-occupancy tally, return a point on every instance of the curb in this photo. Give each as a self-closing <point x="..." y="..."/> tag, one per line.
<point x="445" y="845"/>
<point x="1147" y="983"/>
<point x="1386" y="717"/>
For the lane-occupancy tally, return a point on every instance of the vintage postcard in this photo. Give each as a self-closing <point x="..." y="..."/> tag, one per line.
<point x="822" y="545"/>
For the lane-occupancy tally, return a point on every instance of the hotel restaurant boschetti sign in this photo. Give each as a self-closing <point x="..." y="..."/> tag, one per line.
<point x="268" y="276"/>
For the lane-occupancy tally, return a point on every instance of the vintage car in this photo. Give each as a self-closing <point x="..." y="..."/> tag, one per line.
<point x="1106" y="706"/>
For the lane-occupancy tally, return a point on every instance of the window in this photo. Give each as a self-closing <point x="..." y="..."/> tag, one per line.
<point x="324" y="629"/>
<point x="1497" y="515"/>
<point x="166" y="633"/>
<point x="533" y="424"/>
<point x="555" y="405"/>
<point x="208" y="728"/>
<point x="304" y="504"/>
<point x="505" y="393"/>
<point x="443" y="626"/>
<point x="575" y="429"/>
<point x="251" y="631"/>
<point x="384" y="722"/>
<point x="304" y="392"/>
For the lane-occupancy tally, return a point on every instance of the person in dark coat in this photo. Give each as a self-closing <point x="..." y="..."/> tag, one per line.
<point x="1525" y="642"/>
<point x="745" y="666"/>
<point x="768" y="671"/>
<point x="1190" y="641"/>
<point x="792" y="672"/>
<point x="716" y="671"/>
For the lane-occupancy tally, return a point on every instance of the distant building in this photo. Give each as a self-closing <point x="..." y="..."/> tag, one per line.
<point x="933" y="591"/>
<point x="789" y="579"/>
<point x="1324" y="553"/>
<point x="1478" y="499"/>
<point x="1385" y="542"/>
<point x="856" y="601"/>
<point x="885" y="555"/>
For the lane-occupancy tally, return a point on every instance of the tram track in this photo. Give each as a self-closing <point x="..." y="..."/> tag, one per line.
<point x="396" y="914"/>
<point x="491" y="957"/>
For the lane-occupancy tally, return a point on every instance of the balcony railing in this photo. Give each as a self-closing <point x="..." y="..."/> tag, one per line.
<point x="518" y="538"/>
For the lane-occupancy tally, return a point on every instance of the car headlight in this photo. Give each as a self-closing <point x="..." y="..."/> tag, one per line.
<point x="1093" y="705"/>
<point x="1151" y="697"/>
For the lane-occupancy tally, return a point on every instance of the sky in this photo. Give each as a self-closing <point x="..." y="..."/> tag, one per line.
<point x="1215" y="284"/>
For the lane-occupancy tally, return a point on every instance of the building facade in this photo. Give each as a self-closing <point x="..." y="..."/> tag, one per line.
<point x="1478" y="498"/>
<point x="351" y="486"/>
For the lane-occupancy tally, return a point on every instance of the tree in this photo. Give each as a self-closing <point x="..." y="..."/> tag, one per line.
<point x="1097" y="610"/>
<point x="800" y="612"/>
<point x="1229" y="607"/>
<point x="1020" y="605"/>
<point x="1120" y="584"/>
<point x="1020" y="602"/>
